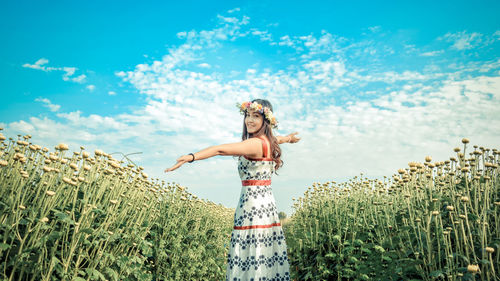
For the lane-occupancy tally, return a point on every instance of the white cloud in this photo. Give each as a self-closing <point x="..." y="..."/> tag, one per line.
<point x="432" y="53"/>
<point x="463" y="40"/>
<point x="79" y="79"/>
<point x="204" y="65"/>
<point x="50" y="105"/>
<point x="111" y="93"/>
<point x="68" y="71"/>
<point x="264" y="35"/>
<point x="90" y="88"/>
<point x="38" y="64"/>
<point x="375" y="29"/>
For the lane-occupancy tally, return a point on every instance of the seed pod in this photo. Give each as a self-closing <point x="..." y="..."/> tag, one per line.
<point x="73" y="166"/>
<point x="449" y="208"/>
<point x="3" y="163"/>
<point x="50" y="193"/>
<point x="114" y="202"/>
<point x="109" y="171"/>
<point x="22" y="207"/>
<point x="464" y="199"/>
<point x="473" y="268"/>
<point x="62" y="146"/>
<point x="435" y="213"/>
<point x="489" y="250"/>
<point x="44" y="219"/>
<point x="465" y="140"/>
<point x="428" y="159"/>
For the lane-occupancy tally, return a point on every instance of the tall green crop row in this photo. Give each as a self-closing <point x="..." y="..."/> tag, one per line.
<point x="79" y="217"/>
<point x="431" y="221"/>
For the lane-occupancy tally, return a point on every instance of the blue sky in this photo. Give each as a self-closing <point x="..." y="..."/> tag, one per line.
<point x="369" y="86"/>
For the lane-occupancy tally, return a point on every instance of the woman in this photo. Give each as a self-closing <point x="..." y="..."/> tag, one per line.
<point x="258" y="250"/>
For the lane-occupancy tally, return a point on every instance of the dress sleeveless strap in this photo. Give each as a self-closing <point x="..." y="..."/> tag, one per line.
<point x="264" y="146"/>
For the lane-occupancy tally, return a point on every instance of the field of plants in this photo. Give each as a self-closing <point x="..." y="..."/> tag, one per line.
<point x="81" y="216"/>
<point x="430" y="221"/>
<point x="88" y="217"/>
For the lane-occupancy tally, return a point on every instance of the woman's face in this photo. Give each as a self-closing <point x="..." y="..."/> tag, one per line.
<point x="253" y="121"/>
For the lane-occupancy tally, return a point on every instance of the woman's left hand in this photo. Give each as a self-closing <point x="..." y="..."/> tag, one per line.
<point x="293" y="137"/>
<point x="180" y="161"/>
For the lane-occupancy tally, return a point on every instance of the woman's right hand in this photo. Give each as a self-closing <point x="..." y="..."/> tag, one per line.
<point x="180" y="161"/>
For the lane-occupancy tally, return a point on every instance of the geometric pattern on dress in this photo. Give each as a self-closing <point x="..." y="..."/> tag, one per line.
<point x="255" y="192"/>
<point x="248" y="216"/>
<point x="276" y="277"/>
<point x="254" y="263"/>
<point x="260" y="239"/>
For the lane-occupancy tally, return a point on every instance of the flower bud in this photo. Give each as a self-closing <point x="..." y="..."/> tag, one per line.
<point x="473" y="268"/>
<point x="62" y="146"/>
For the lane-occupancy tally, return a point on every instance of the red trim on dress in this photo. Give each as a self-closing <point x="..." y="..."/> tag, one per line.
<point x="255" y="182"/>
<point x="258" y="159"/>
<point x="257" y="226"/>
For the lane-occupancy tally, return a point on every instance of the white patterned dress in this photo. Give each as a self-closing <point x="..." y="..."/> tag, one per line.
<point x="258" y="250"/>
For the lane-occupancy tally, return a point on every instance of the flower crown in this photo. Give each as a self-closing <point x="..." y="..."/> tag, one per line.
<point x="259" y="108"/>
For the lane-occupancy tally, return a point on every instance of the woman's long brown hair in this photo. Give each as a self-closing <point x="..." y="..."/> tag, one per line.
<point x="266" y="130"/>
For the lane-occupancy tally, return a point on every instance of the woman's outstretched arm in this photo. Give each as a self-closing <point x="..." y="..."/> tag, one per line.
<point x="251" y="148"/>
<point x="290" y="138"/>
